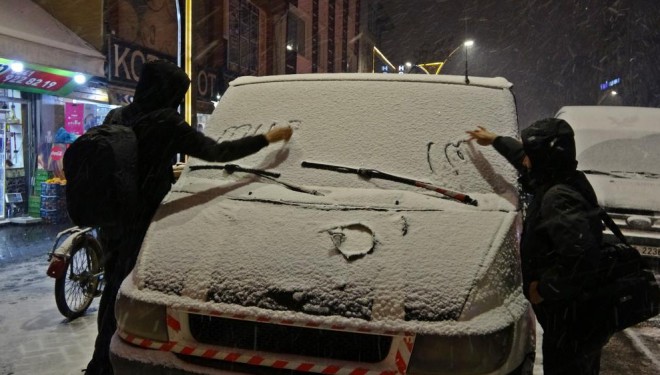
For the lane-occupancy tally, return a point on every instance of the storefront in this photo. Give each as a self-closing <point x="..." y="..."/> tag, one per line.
<point x="49" y="94"/>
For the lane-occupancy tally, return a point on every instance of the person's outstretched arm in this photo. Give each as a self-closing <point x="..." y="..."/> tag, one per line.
<point x="196" y="144"/>
<point x="508" y="147"/>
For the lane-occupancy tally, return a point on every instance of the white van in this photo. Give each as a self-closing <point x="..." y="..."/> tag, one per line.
<point x="619" y="150"/>
<point x="333" y="267"/>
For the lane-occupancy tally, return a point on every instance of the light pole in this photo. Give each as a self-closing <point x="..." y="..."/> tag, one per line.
<point x="466" y="44"/>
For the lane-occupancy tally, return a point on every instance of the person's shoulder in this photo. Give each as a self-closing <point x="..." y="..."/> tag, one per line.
<point x="162" y="117"/>
<point x="114" y="116"/>
<point x="562" y="195"/>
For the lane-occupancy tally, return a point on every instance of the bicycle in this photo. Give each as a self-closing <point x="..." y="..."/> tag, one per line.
<point x="77" y="267"/>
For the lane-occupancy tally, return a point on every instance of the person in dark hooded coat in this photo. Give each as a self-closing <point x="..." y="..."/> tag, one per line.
<point x="560" y="245"/>
<point x="161" y="134"/>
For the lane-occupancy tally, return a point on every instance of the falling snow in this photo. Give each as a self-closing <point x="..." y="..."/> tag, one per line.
<point x="243" y="244"/>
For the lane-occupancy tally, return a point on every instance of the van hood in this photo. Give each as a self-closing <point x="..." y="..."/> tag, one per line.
<point x="632" y="193"/>
<point x="384" y="260"/>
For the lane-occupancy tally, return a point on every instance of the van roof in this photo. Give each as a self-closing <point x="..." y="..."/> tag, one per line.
<point x="495" y="82"/>
<point x="610" y="117"/>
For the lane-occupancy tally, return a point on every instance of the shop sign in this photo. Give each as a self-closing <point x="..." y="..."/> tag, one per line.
<point x="126" y="59"/>
<point x="73" y="118"/>
<point x="206" y="85"/>
<point x="125" y="65"/>
<point x="36" y="78"/>
<point x="57" y="153"/>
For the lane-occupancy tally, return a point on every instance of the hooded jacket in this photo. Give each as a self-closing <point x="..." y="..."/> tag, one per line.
<point x="162" y="133"/>
<point x="562" y="231"/>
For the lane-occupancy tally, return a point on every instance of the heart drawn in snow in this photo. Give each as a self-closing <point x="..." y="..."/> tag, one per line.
<point x="353" y="241"/>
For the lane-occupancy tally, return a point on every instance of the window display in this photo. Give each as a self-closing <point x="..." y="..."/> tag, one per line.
<point x="62" y="121"/>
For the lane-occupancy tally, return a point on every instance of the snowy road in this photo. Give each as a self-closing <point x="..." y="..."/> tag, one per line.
<point x="36" y="340"/>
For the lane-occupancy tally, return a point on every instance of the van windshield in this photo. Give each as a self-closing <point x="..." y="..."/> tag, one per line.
<point x="629" y="157"/>
<point x="399" y="126"/>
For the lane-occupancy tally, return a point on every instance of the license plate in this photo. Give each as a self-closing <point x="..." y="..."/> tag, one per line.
<point x="648" y="250"/>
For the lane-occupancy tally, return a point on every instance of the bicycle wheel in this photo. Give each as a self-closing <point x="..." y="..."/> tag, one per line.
<point x="75" y="291"/>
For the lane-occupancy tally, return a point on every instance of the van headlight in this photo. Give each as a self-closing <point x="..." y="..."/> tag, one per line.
<point x="460" y="355"/>
<point x="141" y="319"/>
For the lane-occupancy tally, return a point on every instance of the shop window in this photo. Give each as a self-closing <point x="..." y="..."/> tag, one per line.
<point x="13" y="121"/>
<point x="62" y="121"/>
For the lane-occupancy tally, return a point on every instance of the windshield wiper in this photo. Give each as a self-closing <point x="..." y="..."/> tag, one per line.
<point x="603" y="173"/>
<point x="231" y="168"/>
<point x="642" y="173"/>
<point x="374" y="173"/>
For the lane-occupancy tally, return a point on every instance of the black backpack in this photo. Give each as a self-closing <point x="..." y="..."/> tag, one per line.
<point x="102" y="176"/>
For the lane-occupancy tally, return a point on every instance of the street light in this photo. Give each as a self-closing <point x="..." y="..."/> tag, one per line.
<point x="466" y="44"/>
<point x="612" y="94"/>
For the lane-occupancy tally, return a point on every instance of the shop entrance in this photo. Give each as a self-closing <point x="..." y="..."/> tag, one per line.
<point x="13" y="129"/>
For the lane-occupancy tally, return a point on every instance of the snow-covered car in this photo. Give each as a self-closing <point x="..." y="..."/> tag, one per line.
<point x="618" y="148"/>
<point x="363" y="257"/>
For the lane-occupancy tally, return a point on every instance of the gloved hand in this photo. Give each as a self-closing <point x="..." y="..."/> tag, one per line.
<point x="279" y="134"/>
<point x="482" y="136"/>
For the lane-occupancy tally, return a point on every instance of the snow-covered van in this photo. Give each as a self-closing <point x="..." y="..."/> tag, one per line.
<point x="619" y="150"/>
<point x="380" y="242"/>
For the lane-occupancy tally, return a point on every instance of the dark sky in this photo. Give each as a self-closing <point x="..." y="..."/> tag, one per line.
<point x="554" y="52"/>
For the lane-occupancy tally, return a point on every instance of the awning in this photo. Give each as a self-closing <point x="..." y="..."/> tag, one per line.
<point x="30" y="34"/>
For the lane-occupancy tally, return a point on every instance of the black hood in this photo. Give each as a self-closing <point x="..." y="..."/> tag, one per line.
<point x="550" y="146"/>
<point x="162" y="84"/>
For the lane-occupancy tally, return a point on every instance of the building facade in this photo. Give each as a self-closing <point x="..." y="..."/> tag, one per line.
<point x="108" y="41"/>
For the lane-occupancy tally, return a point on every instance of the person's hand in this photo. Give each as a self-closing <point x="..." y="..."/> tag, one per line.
<point x="482" y="136"/>
<point x="534" y="296"/>
<point x="279" y="134"/>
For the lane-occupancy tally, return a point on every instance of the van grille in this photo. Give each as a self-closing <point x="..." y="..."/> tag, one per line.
<point x="635" y="236"/>
<point x="273" y="338"/>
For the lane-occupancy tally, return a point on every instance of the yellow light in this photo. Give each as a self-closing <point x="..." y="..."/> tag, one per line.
<point x="188" y="60"/>
<point x="380" y="54"/>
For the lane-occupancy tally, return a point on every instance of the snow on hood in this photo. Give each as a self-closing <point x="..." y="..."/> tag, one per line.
<point x="415" y="265"/>
<point x="636" y="193"/>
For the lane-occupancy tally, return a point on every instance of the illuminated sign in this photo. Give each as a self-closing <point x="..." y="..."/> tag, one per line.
<point x="607" y="84"/>
<point x="37" y="78"/>
<point x="126" y="60"/>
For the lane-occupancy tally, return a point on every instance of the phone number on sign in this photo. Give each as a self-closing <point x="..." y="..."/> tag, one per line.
<point x="29" y="81"/>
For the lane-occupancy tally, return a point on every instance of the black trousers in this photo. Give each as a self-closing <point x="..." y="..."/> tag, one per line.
<point x="570" y="360"/>
<point x="121" y="248"/>
<point x="572" y="341"/>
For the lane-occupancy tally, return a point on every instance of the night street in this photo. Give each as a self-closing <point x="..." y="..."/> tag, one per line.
<point x="337" y="187"/>
<point x="36" y="339"/>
